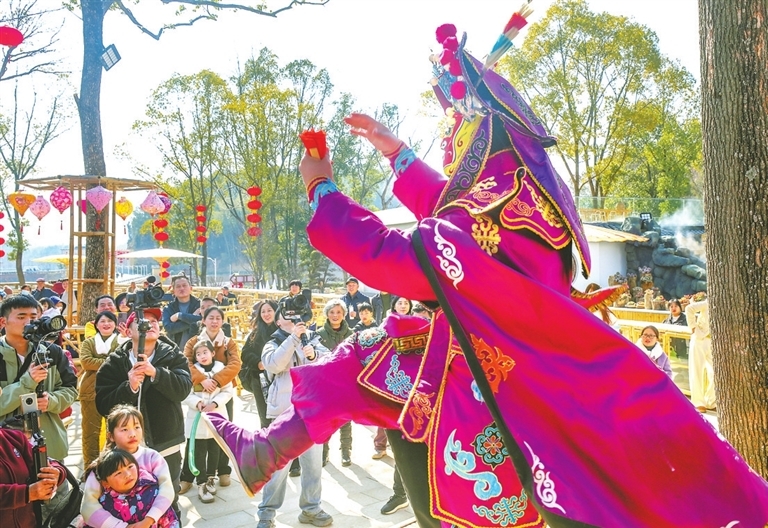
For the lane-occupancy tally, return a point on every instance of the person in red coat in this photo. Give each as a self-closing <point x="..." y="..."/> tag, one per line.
<point x="17" y="493"/>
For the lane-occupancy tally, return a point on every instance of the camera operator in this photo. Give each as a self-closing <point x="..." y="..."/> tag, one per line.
<point x="22" y="368"/>
<point x="182" y="315"/>
<point x="18" y="489"/>
<point x="155" y="380"/>
<point x="283" y="352"/>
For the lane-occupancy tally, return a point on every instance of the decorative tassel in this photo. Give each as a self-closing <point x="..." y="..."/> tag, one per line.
<point x="61" y="225"/>
<point x="503" y="44"/>
<point x="38" y="230"/>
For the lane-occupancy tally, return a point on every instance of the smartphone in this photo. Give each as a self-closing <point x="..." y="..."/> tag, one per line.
<point x="122" y="318"/>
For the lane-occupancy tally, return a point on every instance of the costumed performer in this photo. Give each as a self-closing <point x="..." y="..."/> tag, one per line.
<point x="597" y="435"/>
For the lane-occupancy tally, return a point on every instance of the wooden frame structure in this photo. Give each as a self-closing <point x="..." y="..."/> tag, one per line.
<point x="78" y="233"/>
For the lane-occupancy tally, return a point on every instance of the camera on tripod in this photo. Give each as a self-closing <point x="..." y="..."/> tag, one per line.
<point x="29" y="422"/>
<point x="297" y="308"/>
<point x="149" y="297"/>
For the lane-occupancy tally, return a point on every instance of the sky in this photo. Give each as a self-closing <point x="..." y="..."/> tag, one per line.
<point x="377" y="50"/>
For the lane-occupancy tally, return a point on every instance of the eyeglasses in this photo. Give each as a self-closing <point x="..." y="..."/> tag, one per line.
<point x="649" y="335"/>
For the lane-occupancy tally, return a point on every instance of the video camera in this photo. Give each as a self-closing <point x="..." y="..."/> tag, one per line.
<point x="37" y="329"/>
<point x="297" y="308"/>
<point x="149" y="297"/>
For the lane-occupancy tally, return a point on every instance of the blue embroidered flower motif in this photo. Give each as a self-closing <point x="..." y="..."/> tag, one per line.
<point x="476" y="392"/>
<point x="370" y="336"/>
<point x="326" y="187"/>
<point x="398" y="382"/>
<point x="507" y="511"/>
<point x="487" y="485"/>
<point x="490" y="447"/>
<point x="368" y="359"/>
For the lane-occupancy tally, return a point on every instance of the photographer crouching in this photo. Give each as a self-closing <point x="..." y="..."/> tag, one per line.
<point x="30" y="365"/>
<point x="20" y="486"/>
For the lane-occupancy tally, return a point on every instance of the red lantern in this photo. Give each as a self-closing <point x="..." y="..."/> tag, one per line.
<point x="165" y="265"/>
<point x="254" y="217"/>
<point x="200" y="208"/>
<point x="11" y="37"/>
<point x="2" y="241"/>
<point x="201" y="229"/>
<point x="254" y="231"/>
<point x="161" y="223"/>
<point x="202" y="239"/>
<point x="165" y="274"/>
<point x="254" y="191"/>
<point x="2" y="215"/>
<point x="200" y="218"/>
<point x="161" y="236"/>
<point x="2" y="228"/>
<point x="2" y="253"/>
<point x="254" y="204"/>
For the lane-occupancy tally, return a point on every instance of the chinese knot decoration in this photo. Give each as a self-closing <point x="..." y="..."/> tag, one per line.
<point x="201" y="228"/>
<point x="2" y="239"/>
<point x="254" y="204"/>
<point x="40" y="207"/>
<point x="123" y="208"/>
<point x="61" y="200"/>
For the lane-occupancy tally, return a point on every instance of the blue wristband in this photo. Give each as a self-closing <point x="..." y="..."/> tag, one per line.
<point x="403" y="161"/>
<point x="326" y="187"/>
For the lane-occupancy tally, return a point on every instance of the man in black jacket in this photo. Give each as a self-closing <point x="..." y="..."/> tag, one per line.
<point x="180" y="316"/>
<point x="156" y="381"/>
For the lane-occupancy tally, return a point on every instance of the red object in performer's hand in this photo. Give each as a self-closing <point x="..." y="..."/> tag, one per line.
<point x="314" y="142"/>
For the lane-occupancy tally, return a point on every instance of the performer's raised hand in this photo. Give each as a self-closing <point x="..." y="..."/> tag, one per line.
<point x="312" y="168"/>
<point x="379" y="136"/>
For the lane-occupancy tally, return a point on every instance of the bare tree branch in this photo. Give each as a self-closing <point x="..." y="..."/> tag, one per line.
<point x="259" y="9"/>
<point x="35" y="54"/>
<point x="156" y="36"/>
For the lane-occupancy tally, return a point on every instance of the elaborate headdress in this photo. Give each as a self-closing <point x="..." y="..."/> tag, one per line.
<point x="497" y="144"/>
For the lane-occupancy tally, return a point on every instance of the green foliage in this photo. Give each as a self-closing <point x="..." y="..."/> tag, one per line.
<point x="626" y="117"/>
<point x="218" y="137"/>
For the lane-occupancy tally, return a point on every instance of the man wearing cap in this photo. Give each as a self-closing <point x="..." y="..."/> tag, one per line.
<point x="156" y="381"/>
<point x="352" y="299"/>
<point x="41" y="290"/>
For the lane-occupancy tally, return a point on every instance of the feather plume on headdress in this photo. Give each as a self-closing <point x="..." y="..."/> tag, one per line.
<point x="517" y="22"/>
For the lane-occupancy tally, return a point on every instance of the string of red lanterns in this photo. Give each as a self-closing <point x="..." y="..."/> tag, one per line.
<point x="254" y="204"/>
<point x="2" y="240"/>
<point x="201" y="228"/>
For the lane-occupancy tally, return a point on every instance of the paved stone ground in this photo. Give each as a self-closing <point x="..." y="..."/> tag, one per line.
<point x="353" y="495"/>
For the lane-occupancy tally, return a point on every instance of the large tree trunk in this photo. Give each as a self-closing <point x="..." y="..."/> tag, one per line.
<point x="734" y="76"/>
<point x="93" y="147"/>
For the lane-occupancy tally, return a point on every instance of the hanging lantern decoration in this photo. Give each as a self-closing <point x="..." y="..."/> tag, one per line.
<point x="165" y="273"/>
<point x="98" y="197"/>
<point x="152" y="204"/>
<point x="160" y="235"/>
<point x="61" y="200"/>
<point x="123" y="208"/>
<point x="201" y="227"/>
<point x="21" y="201"/>
<point x="254" y="204"/>
<point x="40" y="207"/>
<point x="10" y="37"/>
<point x="2" y="240"/>
<point x="166" y="202"/>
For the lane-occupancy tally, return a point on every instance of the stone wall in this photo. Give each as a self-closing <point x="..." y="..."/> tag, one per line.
<point x="676" y="270"/>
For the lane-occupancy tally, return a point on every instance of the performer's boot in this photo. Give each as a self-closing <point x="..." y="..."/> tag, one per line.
<point x="257" y="455"/>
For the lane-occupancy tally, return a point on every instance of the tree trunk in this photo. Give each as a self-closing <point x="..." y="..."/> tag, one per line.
<point x="89" y="108"/>
<point x="734" y="76"/>
<point x="19" y="246"/>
